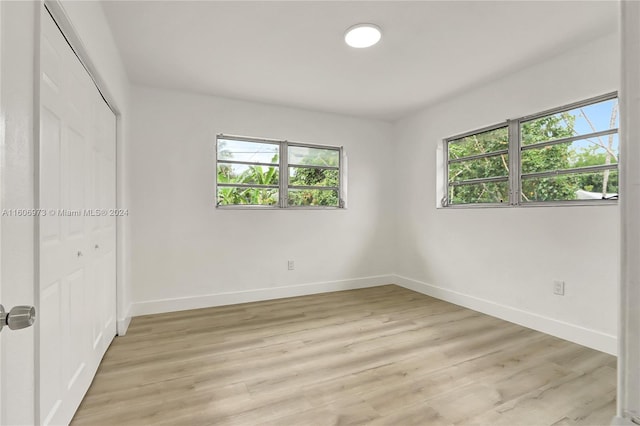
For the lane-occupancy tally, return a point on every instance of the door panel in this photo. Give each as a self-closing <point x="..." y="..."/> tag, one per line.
<point x="77" y="250"/>
<point x="102" y="227"/>
<point x="51" y="336"/>
<point x="17" y="29"/>
<point x="76" y="182"/>
<point x="73" y="310"/>
<point x="50" y="172"/>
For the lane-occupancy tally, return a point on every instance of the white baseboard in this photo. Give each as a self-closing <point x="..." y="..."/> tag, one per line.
<point x="123" y="323"/>
<point x="232" y="298"/>
<point x="572" y="332"/>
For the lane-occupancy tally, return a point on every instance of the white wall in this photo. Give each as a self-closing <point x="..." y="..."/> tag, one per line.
<point x="503" y="261"/>
<point x="186" y="253"/>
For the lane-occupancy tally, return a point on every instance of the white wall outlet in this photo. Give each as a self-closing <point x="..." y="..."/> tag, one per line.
<point x="291" y="265"/>
<point x="558" y="288"/>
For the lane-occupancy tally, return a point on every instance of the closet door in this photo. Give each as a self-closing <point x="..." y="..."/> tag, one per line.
<point x="102" y="227"/>
<point x="76" y="271"/>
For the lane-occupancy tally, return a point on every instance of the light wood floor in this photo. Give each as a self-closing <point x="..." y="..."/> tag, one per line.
<point x="381" y="355"/>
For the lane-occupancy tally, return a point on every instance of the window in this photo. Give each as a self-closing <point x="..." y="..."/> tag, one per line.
<point x="567" y="155"/>
<point x="479" y="167"/>
<point x="277" y="174"/>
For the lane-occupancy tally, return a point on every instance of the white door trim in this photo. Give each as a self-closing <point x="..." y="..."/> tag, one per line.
<point x="1" y="167"/>
<point x="629" y="294"/>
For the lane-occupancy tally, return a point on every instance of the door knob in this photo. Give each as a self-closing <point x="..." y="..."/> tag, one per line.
<point x="21" y="317"/>
<point x="18" y="317"/>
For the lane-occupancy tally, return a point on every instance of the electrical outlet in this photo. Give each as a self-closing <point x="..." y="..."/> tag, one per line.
<point x="558" y="288"/>
<point x="291" y="265"/>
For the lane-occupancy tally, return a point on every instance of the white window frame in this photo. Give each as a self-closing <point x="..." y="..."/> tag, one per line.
<point x="514" y="152"/>
<point x="283" y="174"/>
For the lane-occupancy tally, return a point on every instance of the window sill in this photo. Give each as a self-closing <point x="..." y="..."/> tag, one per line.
<point x="577" y="203"/>
<point x="270" y="208"/>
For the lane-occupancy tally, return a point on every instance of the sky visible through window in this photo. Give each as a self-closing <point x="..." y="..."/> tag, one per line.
<point x="594" y="118"/>
<point x="599" y="114"/>
<point x="252" y="152"/>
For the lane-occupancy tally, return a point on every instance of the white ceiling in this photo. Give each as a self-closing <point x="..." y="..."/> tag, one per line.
<point x="292" y="52"/>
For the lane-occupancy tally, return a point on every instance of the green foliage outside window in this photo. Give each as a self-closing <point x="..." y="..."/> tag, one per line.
<point x="487" y="167"/>
<point x="260" y="175"/>
<point x="311" y="176"/>
<point x="313" y="171"/>
<point x="592" y="150"/>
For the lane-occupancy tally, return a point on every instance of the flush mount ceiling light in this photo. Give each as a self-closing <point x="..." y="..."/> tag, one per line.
<point x="362" y="35"/>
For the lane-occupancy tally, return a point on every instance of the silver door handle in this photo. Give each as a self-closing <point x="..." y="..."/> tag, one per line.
<point x="18" y="317"/>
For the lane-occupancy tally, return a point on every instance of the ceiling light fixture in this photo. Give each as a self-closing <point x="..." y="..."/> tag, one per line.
<point x="362" y="35"/>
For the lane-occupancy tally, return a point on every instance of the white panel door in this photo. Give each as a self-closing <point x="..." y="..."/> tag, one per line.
<point x="102" y="228"/>
<point x="77" y="277"/>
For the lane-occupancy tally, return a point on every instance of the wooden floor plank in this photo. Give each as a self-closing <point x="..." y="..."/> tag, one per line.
<point x="380" y="356"/>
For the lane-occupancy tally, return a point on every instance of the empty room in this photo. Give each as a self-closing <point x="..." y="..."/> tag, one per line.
<point x="319" y="212"/>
